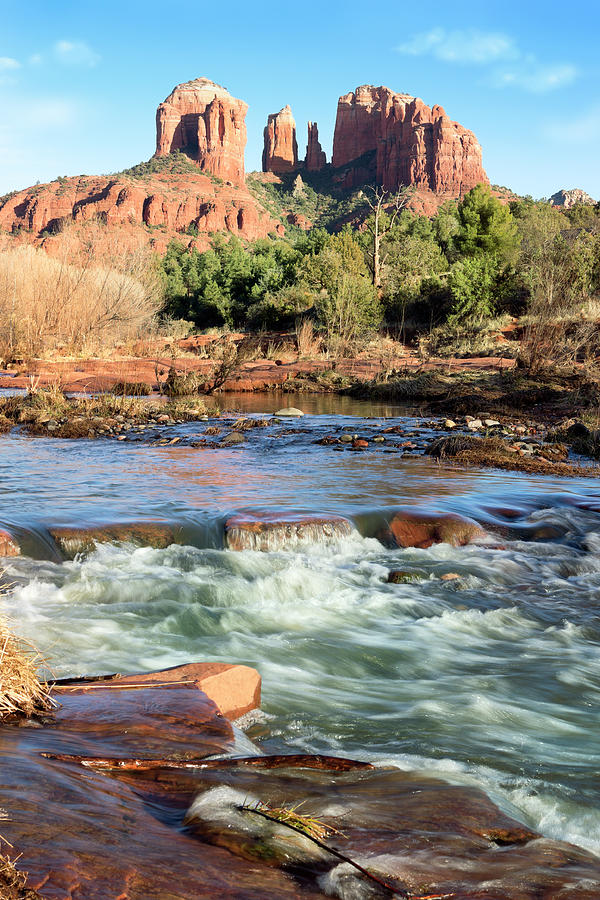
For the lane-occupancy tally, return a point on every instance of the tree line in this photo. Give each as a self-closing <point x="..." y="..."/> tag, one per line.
<point x="474" y="260"/>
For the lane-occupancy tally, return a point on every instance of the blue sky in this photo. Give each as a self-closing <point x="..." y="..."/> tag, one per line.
<point x="80" y="81"/>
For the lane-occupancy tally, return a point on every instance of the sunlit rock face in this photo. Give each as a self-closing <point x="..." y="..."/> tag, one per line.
<point x="204" y="121"/>
<point x="280" y="153"/>
<point x="396" y="139"/>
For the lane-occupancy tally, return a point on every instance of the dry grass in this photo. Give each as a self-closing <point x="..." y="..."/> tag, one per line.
<point x="21" y="691"/>
<point x="288" y="815"/>
<point x="85" y="298"/>
<point x="309" y="344"/>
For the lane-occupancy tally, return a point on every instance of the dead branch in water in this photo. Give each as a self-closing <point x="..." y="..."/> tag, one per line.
<point x="296" y="761"/>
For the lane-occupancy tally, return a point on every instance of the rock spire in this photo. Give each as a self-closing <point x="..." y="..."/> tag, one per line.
<point x="280" y="154"/>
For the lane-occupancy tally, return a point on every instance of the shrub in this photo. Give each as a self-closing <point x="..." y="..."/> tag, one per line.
<point x="77" y="300"/>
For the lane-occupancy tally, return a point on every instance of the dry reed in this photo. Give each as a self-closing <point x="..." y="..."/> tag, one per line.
<point x="85" y="298"/>
<point x="21" y="691"/>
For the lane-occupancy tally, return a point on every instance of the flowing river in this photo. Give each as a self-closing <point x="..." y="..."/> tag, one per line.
<point x="491" y="679"/>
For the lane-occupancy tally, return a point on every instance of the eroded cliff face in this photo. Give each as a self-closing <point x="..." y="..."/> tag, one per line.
<point x="156" y="208"/>
<point x="204" y="121"/>
<point x="395" y="139"/>
<point x="280" y="153"/>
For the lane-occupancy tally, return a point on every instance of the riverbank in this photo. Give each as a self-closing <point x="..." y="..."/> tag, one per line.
<point x="165" y="771"/>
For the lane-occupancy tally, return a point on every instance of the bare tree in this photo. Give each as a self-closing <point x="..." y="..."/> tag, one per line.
<point x="386" y="208"/>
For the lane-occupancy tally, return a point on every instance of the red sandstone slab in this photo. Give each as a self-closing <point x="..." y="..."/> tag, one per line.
<point x="234" y="689"/>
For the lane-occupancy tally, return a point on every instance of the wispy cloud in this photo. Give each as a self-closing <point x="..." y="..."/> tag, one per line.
<point x="507" y="65"/>
<point x="75" y="53"/>
<point x="7" y="64"/>
<point x="470" y="46"/>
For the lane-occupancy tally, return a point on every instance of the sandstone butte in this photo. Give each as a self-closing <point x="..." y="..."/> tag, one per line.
<point x="382" y="137"/>
<point x="202" y="120"/>
<point x="395" y="139"/>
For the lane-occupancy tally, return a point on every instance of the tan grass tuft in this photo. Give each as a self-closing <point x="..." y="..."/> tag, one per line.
<point x="21" y="691"/>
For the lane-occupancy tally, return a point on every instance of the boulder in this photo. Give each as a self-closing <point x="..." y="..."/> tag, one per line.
<point x="74" y="540"/>
<point x="289" y="411"/>
<point x="8" y="544"/>
<point x="410" y="529"/>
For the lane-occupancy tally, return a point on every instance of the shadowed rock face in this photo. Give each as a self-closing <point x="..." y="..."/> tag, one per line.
<point x="203" y="120"/>
<point x="315" y="155"/>
<point x="282" y="532"/>
<point x="402" y="141"/>
<point x="280" y="153"/>
<point x="72" y="541"/>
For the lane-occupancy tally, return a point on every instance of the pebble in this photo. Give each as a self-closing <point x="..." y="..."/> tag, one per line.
<point x="474" y="424"/>
<point x="346" y="439"/>
<point x="379" y="439"/>
<point x="449" y="424"/>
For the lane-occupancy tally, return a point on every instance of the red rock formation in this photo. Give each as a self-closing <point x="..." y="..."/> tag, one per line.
<point x="398" y="140"/>
<point x="203" y="120"/>
<point x="280" y="152"/>
<point x="315" y="155"/>
<point x="154" y="208"/>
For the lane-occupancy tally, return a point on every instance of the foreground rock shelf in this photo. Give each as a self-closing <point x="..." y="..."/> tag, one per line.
<point x="118" y="794"/>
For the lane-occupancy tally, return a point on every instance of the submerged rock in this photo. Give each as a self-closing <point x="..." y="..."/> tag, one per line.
<point x="74" y="540"/>
<point x="409" y="529"/>
<point x="234" y="437"/>
<point x="273" y="532"/>
<point x="219" y="816"/>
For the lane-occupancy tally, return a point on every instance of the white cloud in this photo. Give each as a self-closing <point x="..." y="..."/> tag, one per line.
<point x="508" y="65"/>
<point x="36" y="59"/>
<point x="469" y="46"/>
<point x="75" y="53"/>
<point x="7" y="64"/>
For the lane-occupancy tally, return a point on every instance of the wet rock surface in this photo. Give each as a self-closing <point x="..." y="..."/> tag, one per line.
<point x="273" y="532"/>
<point x="74" y="540"/>
<point x="87" y="832"/>
<point x="411" y="529"/>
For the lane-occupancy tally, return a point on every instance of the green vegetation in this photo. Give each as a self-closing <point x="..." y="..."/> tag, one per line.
<point x="176" y="163"/>
<point x="313" y="195"/>
<point x="448" y="280"/>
